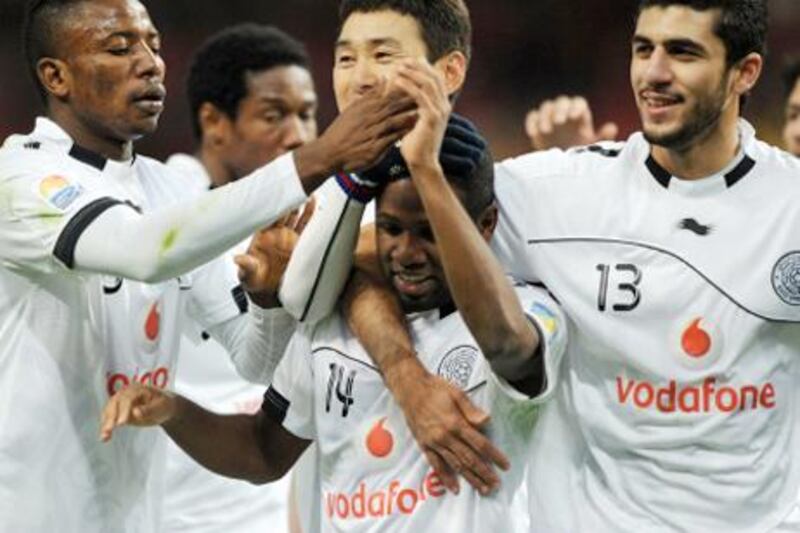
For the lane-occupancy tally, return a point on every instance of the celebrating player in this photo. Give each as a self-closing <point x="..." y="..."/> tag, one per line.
<point x="252" y="100"/>
<point x="83" y="223"/>
<point x="430" y="238"/>
<point x="791" y="126"/>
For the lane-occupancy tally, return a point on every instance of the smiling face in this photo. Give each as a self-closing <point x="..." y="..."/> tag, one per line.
<point x="111" y="76"/>
<point x="277" y="115"/>
<point x="679" y="75"/>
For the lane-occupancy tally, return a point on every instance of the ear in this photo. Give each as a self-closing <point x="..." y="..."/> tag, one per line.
<point x="54" y="76"/>
<point x="454" y="67"/>
<point x="215" y="125"/>
<point x="747" y="72"/>
<point x="487" y="222"/>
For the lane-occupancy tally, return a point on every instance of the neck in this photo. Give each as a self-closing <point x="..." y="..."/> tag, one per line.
<point x="216" y="169"/>
<point x="705" y="156"/>
<point x="108" y="147"/>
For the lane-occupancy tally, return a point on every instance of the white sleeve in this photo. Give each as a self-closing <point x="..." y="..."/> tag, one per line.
<point x="256" y="341"/>
<point x="321" y="262"/>
<point x="289" y="401"/>
<point x="550" y="321"/>
<point x="216" y="294"/>
<point x="164" y="243"/>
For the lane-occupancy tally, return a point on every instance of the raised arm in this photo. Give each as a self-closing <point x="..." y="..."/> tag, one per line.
<point x="249" y="447"/>
<point x="565" y="122"/>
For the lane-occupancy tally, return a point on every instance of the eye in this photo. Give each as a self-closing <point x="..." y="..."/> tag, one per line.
<point x="345" y="60"/>
<point x="642" y="49"/>
<point x="390" y="228"/>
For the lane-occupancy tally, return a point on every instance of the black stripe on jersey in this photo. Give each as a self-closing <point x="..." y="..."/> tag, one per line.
<point x="240" y="298"/>
<point x="325" y="260"/>
<point x="348" y="357"/>
<point x="541" y="285"/>
<point x="674" y="256"/>
<point x="663" y="176"/>
<point x="68" y="240"/>
<point x="739" y="171"/>
<point x="84" y="155"/>
<point x="605" y="152"/>
<point x="275" y="405"/>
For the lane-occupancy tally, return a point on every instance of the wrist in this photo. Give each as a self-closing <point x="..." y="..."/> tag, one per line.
<point x="314" y="161"/>
<point x="404" y="376"/>
<point x="264" y="300"/>
<point x="176" y="407"/>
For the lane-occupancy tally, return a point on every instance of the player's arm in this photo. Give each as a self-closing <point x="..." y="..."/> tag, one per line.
<point x="111" y="238"/>
<point x="478" y="285"/>
<point x="250" y="447"/>
<point x="565" y="122"/>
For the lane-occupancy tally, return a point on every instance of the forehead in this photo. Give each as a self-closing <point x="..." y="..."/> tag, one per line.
<point x="281" y="81"/>
<point x="100" y="19"/>
<point x="660" y="24"/>
<point x="400" y="199"/>
<point x="375" y="26"/>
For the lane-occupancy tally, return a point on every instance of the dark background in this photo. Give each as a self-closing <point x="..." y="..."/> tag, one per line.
<point x="524" y="51"/>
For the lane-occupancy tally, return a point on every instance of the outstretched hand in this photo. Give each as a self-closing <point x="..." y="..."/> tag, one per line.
<point x="136" y="405"/>
<point x="565" y="122"/>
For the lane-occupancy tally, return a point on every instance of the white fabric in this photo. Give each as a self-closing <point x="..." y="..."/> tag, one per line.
<point x="373" y="476"/>
<point x="679" y="414"/>
<point x="72" y="338"/>
<point x="197" y="500"/>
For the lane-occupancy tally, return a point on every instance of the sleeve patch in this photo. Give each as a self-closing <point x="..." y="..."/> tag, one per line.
<point x="58" y="191"/>
<point x="547" y="318"/>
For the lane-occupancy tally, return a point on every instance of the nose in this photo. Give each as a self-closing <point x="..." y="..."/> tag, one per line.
<point x="148" y="62"/>
<point x="296" y="132"/>
<point x="658" y="70"/>
<point x="408" y="251"/>
<point x="365" y="78"/>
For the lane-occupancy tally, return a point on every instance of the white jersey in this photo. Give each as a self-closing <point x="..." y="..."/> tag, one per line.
<point x="198" y="500"/>
<point x="373" y="475"/>
<point x="71" y="339"/>
<point x="679" y="409"/>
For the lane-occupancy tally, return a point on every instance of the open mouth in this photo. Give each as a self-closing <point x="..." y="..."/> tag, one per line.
<point x="412" y="284"/>
<point x="152" y="100"/>
<point x="655" y="101"/>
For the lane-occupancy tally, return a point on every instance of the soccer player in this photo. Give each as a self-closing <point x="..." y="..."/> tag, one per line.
<point x="674" y="257"/>
<point x="791" y="126"/>
<point x="252" y="100"/>
<point x="470" y="324"/>
<point x="96" y="249"/>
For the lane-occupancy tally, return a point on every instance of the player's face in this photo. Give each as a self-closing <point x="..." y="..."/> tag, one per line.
<point x="277" y="115"/>
<point x="116" y="75"/>
<point x="791" y="129"/>
<point x="408" y="254"/>
<point x="679" y="75"/>
<point x="369" y="50"/>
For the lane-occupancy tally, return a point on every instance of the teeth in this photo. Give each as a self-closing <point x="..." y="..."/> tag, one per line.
<point x="410" y="279"/>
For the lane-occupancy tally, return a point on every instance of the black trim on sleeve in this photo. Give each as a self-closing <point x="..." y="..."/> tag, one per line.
<point x="275" y="405"/>
<point x="84" y="155"/>
<point x="65" y="245"/>
<point x="240" y="298"/>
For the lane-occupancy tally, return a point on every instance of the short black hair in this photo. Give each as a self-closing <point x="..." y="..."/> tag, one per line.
<point x="478" y="187"/>
<point x="220" y="67"/>
<point x="40" y="33"/>
<point x="791" y="75"/>
<point x="445" y="24"/>
<point x="742" y="25"/>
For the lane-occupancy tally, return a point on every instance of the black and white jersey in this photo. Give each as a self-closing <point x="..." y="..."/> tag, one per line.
<point x="680" y="401"/>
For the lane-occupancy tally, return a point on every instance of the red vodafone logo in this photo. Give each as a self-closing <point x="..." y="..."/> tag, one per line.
<point x="152" y="323"/>
<point x="695" y="341"/>
<point x="380" y="441"/>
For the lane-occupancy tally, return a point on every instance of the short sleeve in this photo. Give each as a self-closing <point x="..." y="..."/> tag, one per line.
<point x="550" y="321"/>
<point x="43" y="212"/>
<point x="289" y="401"/>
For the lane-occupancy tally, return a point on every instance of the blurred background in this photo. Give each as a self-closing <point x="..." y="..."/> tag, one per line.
<point x="524" y="51"/>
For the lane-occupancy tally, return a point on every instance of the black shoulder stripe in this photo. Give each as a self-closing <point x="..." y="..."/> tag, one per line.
<point x="68" y="240"/>
<point x="240" y="298"/>
<point x="275" y="405"/>
<point x="93" y="159"/>
<point x="739" y="171"/>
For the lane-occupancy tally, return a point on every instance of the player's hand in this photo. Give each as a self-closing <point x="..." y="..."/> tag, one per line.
<point x="422" y="145"/>
<point x="261" y="268"/>
<point x="136" y="405"/>
<point x="446" y="425"/>
<point x="566" y="122"/>
<point x="361" y="134"/>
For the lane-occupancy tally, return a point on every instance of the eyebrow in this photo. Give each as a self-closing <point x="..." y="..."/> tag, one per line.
<point x="378" y="41"/>
<point x="680" y="42"/>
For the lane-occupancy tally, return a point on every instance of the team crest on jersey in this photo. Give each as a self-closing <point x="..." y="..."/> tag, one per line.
<point x="786" y="278"/>
<point x="696" y="342"/>
<point x="457" y="365"/>
<point x="58" y="191"/>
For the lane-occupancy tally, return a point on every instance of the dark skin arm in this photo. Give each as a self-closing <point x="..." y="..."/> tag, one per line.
<point x="250" y="447"/>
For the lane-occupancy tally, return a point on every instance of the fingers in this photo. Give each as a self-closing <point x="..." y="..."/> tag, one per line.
<point x="474" y="469"/>
<point x="446" y="475"/>
<point x="608" y="132"/>
<point x="108" y="419"/>
<point x="475" y="416"/>
<point x="483" y="446"/>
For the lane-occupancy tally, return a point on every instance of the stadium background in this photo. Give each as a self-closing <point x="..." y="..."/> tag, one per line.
<point x="524" y="51"/>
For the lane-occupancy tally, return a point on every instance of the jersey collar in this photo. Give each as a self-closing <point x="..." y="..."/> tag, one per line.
<point x="49" y="130"/>
<point x="738" y="168"/>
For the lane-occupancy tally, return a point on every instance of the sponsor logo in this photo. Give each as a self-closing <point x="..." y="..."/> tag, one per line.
<point x="157" y="377"/>
<point x="547" y="318"/>
<point x="379" y="441"/>
<point x="152" y="323"/>
<point x="696" y="343"/>
<point x="59" y="192"/>
<point x="393" y="499"/>
<point x="706" y="397"/>
<point x="695" y="227"/>
<point x="457" y="365"/>
<point x="786" y="278"/>
<point x="111" y="285"/>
